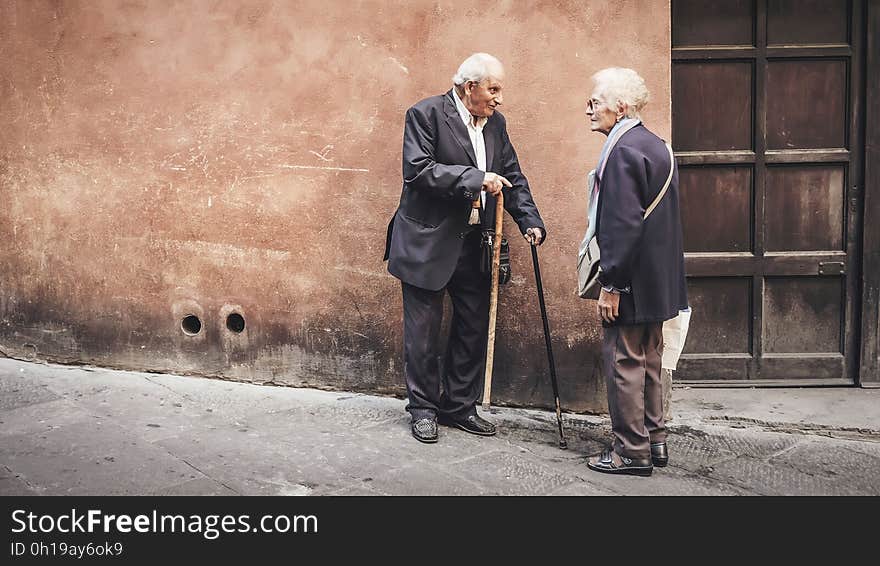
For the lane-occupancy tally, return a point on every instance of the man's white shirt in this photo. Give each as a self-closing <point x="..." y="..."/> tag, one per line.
<point x="474" y="127"/>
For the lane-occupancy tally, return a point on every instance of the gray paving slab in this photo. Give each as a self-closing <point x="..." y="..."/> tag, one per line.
<point x="148" y="409"/>
<point x="237" y="399"/>
<point x="712" y="444"/>
<point x="42" y="417"/>
<point x="251" y="464"/>
<point x="22" y="389"/>
<point x="780" y="478"/>
<point x="426" y="479"/>
<point x="582" y="488"/>
<point x="841" y="407"/>
<point x="678" y="481"/>
<point x="197" y="486"/>
<point x="508" y="473"/>
<point x="12" y="484"/>
<point x="356" y="491"/>
<point x="840" y="464"/>
<point x="90" y="458"/>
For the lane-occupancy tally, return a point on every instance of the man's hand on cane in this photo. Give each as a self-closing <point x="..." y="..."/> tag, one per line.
<point x="534" y="236"/>
<point x="493" y="183"/>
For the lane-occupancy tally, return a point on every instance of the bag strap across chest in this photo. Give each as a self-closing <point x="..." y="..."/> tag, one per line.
<point x="665" y="186"/>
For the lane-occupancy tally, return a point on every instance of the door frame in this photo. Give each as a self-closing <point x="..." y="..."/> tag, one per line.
<point x="869" y="366"/>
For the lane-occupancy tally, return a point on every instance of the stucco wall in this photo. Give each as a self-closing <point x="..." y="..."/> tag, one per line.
<point x="161" y="158"/>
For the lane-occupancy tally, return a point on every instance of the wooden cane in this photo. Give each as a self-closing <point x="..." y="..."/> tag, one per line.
<point x="493" y="298"/>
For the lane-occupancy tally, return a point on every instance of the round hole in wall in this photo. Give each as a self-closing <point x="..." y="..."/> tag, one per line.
<point x="235" y="322"/>
<point x="191" y="325"/>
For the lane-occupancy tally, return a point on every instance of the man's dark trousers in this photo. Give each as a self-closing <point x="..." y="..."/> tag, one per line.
<point x="462" y="379"/>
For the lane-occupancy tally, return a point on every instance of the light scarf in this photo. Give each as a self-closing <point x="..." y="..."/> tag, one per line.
<point x="614" y="135"/>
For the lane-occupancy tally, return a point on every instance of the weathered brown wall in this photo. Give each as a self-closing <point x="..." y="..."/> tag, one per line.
<point x="163" y="158"/>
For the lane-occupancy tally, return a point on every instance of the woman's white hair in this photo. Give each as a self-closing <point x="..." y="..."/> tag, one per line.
<point x="477" y="68"/>
<point x="620" y="85"/>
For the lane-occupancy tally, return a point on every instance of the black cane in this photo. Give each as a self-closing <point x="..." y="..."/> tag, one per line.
<point x="562" y="443"/>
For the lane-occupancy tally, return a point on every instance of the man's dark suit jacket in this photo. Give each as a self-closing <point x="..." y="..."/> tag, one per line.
<point x="440" y="180"/>
<point x="645" y="255"/>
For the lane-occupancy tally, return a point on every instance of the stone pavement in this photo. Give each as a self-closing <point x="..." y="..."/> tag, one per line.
<point x="92" y="431"/>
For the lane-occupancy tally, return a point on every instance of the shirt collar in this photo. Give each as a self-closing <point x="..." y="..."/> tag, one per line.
<point x="466" y="116"/>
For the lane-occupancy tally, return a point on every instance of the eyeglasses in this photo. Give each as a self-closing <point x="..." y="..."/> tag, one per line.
<point x="593" y="104"/>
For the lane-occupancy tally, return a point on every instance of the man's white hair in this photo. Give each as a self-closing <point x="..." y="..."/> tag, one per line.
<point x="478" y="67"/>
<point x="617" y="84"/>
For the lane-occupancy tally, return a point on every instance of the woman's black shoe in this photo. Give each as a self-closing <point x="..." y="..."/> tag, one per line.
<point x="659" y="454"/>
<point x="629" y="466"/>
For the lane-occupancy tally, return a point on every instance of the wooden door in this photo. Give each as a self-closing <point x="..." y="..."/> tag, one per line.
<point x="765" y="112"/>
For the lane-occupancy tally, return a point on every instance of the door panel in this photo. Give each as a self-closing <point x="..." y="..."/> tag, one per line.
<point x="807" y="22"/>
<point x="800" y="315"/>
<point x="716" y="188"/>
<point x="806" y="104"/>
<point x="705" y="88"/>
<point x="724" y="304"/>
<point x="804" y="208"/>
<point x="731" y="22"/>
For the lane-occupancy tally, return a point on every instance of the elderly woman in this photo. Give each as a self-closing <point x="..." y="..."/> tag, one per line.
<point x="641" y="268"/>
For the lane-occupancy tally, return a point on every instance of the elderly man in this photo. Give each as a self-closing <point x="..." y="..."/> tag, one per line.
<point x="456" y="158"/>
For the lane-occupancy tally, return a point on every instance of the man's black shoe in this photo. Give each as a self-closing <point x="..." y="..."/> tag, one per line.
<point x="425" y="430"/>
<point x="608" y="464"/>
<point x="659" y="454"/>
<point x="473" y="424"/>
